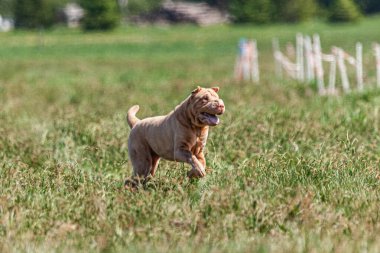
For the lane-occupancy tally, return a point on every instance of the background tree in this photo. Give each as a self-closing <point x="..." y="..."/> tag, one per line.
<point x="369" y="6"/>
<point x="100" y="14"/>
<point x="256" y="11"/>
<point x="35" y="13"/>
<point x="135" y="7"/>
<point x="294" y="10"/>
<point x="344" y="11"/>
<point x="265" y="11"/>
<point x="6" y="8"/>
<point x="221" y="4"/>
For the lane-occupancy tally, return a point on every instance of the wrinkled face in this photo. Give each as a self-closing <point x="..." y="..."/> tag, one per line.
<point x="206" y="105"/>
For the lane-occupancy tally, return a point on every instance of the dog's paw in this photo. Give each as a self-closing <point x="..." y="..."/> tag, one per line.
<point x="209" y="169"/>
<point x="130" y="185"/>
<point x="196" y="173"/>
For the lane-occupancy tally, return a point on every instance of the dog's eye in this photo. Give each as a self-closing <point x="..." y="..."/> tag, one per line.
<point x="205" y="99"/>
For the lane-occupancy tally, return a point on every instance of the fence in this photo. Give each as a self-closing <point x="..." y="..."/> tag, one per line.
<point x="307" y="64"/>
<point x="247" y="61"/>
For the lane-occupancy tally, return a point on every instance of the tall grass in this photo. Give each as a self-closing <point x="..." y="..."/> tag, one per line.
<point x="289" y="171"/>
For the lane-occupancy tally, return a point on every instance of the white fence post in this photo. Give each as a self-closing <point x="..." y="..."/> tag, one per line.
<point x="255" y="62"/>
<point x="309" y="59"/>
<point x="318" y="64"/>
<point x="332" y="78"/>
<point x="239" y="61"/>
<point x="377" y="55"/>
<point x="343" y="70"/>
<point x="247" y="62"/>
<point x="282" y="62"/>
<point x="359" y="65"/>
<point x="300" y="57"/>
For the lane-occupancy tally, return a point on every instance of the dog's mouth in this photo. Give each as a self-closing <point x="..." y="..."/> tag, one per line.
<point x="210" y="119"/>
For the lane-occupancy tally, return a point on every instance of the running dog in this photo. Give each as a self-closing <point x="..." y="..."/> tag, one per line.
<point x="178" y="136"/>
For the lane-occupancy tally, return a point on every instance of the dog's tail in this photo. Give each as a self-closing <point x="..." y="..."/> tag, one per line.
<point x="131" y="116"/>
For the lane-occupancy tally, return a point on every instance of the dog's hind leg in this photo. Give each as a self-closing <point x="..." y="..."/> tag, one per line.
<point x="142" y="166"/>
<point x="142" y="161"/>
<point x="155" y="160"/>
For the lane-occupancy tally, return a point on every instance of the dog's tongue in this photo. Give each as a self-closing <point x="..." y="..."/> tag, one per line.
<point x="214" y="120"/>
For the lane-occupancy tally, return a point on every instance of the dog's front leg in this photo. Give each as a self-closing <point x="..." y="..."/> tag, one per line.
<point x="186" y="156"/>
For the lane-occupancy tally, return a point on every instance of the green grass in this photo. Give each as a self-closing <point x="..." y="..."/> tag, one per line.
<point x="290" y="171"/>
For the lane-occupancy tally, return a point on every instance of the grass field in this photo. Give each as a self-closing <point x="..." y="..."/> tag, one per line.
<point x="290" y="171"/>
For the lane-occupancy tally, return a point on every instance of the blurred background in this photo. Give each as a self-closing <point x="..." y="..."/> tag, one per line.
<point x="107" y="14"/>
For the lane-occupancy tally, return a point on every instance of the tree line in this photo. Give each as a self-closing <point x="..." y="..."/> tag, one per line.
<point x="270" y="11"/>
<point x="106" y="14"/>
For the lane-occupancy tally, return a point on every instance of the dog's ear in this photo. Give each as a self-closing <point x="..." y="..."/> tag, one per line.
<point x="198" y="89"/>
<point x="216" y="89"/>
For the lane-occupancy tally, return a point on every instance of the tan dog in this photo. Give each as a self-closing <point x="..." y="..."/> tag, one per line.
<point x="179" y="136"/>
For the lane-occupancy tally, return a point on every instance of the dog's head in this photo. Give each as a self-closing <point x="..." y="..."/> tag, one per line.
<point x="205" y="105"/>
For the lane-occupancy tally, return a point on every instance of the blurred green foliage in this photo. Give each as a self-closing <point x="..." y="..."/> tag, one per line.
<point x="369" y="6"/>
<point x="6" y="7"/>
<point x="106" y="14"/>
<point x="35" y="13"/>
<point x="100" y="14"/>
<point x="294" y="10"/>
<point x="135" y="7"/>
<point x="258" y="11"/>
<point x="344" y="11"/>
<point x="265" y="11"/>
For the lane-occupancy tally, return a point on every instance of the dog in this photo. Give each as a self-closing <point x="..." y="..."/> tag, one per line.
<point x="178" y="136"/>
